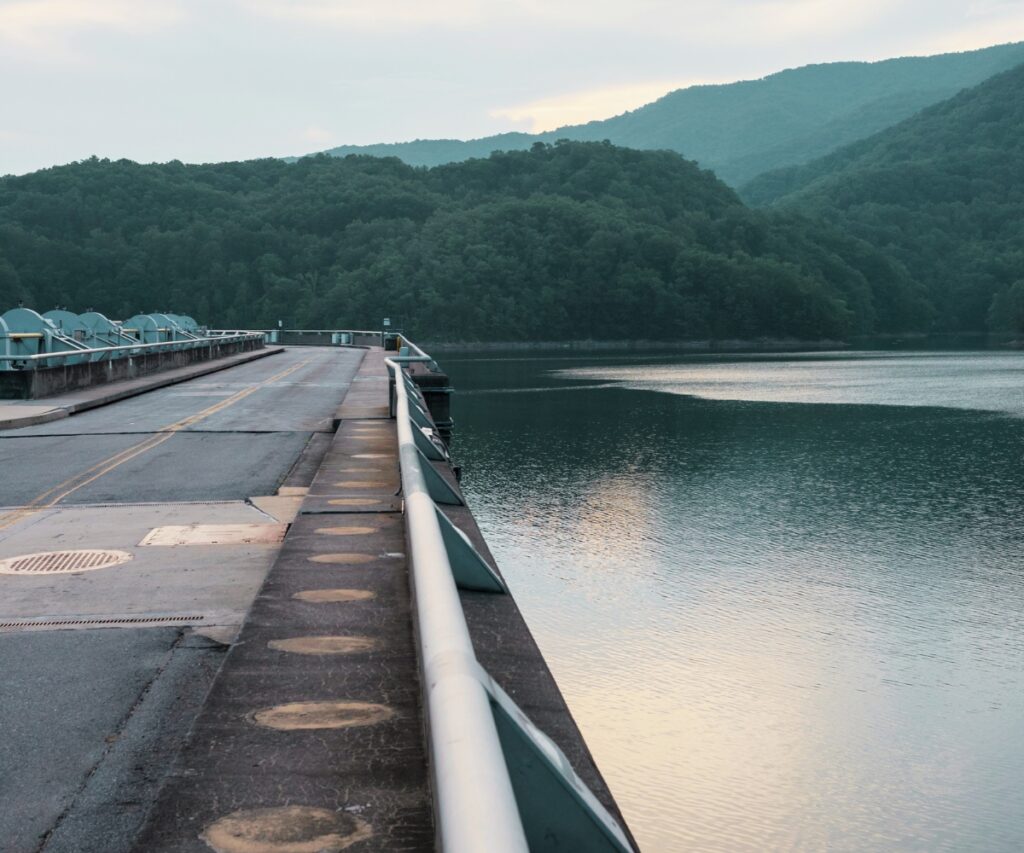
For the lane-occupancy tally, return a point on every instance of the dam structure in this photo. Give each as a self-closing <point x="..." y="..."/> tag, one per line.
<point x="245" y="607"/>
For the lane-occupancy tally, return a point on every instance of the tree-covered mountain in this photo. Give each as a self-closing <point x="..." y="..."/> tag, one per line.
<point x="740" y="130"/>
<point x="576" y="240"/>
<point x="941" y="193"/>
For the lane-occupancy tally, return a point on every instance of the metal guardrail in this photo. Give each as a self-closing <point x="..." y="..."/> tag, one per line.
<point x="475" y="804"/>
<point x="375" y="332"/>
<point x="313" y="331"/>
<point x="405" y="348"/>
<point x="339" y="337"/>
<point x="500" y="785"/>
<point x="23" y="362"/>
<point x="413" y="351"/>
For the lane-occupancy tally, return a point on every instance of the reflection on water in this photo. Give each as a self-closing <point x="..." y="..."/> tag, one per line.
<point x="976" y="381"/>
<point x="780" y="625"/>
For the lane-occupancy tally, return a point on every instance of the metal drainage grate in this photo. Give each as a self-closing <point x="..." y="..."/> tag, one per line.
<point x="59" y="562"/>
<point x="102" y="623"/>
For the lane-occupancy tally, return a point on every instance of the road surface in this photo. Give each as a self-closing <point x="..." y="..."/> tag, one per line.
<point x="94" y="709"/>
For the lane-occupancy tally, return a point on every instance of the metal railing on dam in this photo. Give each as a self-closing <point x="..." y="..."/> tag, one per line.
<point x="60" y="357"/>
<point x="42" y="355"/>
<point x="29" y="340"/>
<point x="499" y="783"/>
<point x="323" y="337"/>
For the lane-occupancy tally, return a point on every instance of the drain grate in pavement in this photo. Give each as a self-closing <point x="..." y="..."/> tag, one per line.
<point x="59" y="562"/>
<point x="112" y="622"/>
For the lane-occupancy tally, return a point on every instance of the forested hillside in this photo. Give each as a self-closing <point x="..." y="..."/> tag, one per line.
<point x="740" y="130"/>
<point x="577" y="240"/>
<point x="942" y="193"/>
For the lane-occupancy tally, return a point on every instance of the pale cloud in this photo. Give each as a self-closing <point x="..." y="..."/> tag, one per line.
<point x="251" y="78"/>
<point x="316" y="135"/>
<point x="731" y="21"/>
<point x="1004" y="23"/>
<point x="981" y="8"/>
<point x="44" y="25"/>
<point x="754" y="22"/>
<point x="705" y="17"/>
<point x="580" y="107"/>
<point x="373" y="14"/>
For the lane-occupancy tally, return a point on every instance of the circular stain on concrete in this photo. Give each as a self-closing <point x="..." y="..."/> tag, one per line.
<point x="289" y="829"/>
<point x="323" y="645"/>
<point x="353" y="501"/>
<point x="347" y="531"/>
<point x="302" y="716"/>
<point x="328" y="596"/>
<point x="343" y="559"/>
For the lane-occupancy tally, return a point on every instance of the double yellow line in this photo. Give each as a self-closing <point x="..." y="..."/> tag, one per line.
<point x="56" y="494"/>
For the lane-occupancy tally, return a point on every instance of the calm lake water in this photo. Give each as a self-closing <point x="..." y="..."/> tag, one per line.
<point x="783" y="595"/>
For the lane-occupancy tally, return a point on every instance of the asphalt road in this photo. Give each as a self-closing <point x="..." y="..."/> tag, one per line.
<point x="225" y="436"/>
<point x="92" y="718"/>
<point x="83" y="687"/>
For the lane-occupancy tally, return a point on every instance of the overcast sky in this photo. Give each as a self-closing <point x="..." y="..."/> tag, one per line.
<point x="204" y="80"/>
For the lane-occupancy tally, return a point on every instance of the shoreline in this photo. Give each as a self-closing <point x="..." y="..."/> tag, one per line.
<point x="731" y="345"/>
<point x="909" y="340"/>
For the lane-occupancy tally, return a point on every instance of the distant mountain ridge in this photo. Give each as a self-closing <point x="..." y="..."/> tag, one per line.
<point x="941" y="193"/>
<point x="740" y="130"/>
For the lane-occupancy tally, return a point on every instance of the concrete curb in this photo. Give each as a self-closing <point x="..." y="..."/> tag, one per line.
<point x="118" y="391"/>
<point x="33" y="420"/>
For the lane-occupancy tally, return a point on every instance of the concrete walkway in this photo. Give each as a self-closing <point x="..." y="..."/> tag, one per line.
<point x="315" y="715"/>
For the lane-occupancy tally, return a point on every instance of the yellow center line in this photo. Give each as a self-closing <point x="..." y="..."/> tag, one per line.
<point x="83" y="478"/>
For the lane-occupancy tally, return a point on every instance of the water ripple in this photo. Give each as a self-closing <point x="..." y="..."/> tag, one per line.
<point x="780" y="625"/>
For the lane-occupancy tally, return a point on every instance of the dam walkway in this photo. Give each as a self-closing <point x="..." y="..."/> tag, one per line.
<point x="209" y="638"/>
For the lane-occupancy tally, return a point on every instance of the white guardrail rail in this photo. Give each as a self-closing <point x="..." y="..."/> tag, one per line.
<point x="500" y="785"/>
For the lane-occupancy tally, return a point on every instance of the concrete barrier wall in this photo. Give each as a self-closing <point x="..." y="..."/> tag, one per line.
<point x="365" y="340"/>
<point x="48" y="381"/>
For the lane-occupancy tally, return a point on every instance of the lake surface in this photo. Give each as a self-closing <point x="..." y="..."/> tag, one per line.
<point x="782" y="595"/>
